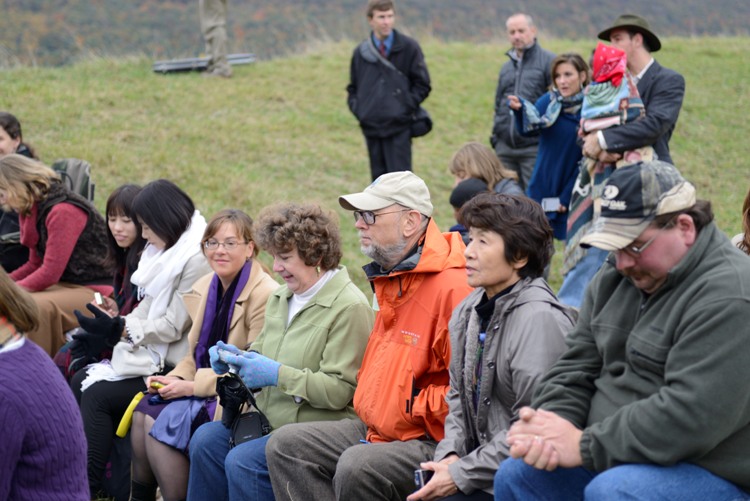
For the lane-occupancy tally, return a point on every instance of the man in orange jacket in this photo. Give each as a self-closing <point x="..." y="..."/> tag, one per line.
<point x="418" y="275"/>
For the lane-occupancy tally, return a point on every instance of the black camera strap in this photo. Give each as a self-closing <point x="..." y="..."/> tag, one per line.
<point x="263" y="419"/>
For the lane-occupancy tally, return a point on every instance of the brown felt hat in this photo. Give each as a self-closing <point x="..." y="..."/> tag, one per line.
<point x="634" y="23"/>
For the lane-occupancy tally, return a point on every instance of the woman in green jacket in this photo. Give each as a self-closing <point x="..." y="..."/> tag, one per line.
<point x="305" y="360"/>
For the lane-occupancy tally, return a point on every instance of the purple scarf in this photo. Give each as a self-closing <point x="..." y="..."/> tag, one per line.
<point x="218" y="315"/>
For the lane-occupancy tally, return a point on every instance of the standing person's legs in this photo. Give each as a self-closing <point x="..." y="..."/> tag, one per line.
<point x="302" y="458"/>
<point x="517" y="481"/>
<point x="213" y="15"/>
<point x="102" y="407"/>
<point x="577" y="279"/>
<point x="683" y="481"/>
<point x="397" y="151"/>
<point x="380" y="470"/>
<point x="375" y="151"/>
<point x="56" y="305"/>
<point x="521" y="160"/>
<point x="208" y="452"/>
<point x="247" y="471"/>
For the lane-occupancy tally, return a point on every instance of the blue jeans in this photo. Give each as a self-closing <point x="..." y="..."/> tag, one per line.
<point x="576" y="280"/>
<point x="218" y="473"/>
<point x="515" y="480"/>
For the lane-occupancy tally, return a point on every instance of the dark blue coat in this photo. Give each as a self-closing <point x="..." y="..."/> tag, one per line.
<point x="556" y="165"/>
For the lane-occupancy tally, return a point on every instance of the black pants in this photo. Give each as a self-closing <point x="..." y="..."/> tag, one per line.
<point x="389" y="154"/>
<point x="474" y="496"/>
<point x="102" y="407"/>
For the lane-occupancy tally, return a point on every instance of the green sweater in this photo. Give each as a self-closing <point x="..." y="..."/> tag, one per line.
<point x="662" y="379"/>
<point x="320" y="352"/>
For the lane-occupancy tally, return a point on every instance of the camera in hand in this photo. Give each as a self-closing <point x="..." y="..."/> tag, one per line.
<point x="232" y="394"/>
<point x="421" y="477"/>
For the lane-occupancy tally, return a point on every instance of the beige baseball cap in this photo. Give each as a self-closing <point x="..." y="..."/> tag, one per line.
<point x="404" y="188"/>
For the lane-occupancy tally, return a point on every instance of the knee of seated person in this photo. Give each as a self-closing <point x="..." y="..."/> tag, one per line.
<point x="352" y="463"/>
<point x="620" y="479"/>
<point x="203" y="437"/>
<point x="510" y="471"/>
<point x="281" y="440"/>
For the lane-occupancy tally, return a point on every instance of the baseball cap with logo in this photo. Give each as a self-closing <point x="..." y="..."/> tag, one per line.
<point x="404" y="188"/>
<point x="632" y="197"/>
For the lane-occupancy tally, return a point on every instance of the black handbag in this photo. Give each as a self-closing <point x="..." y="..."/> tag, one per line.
<point x="249" y="425"/>
<point x="421" y="123"/>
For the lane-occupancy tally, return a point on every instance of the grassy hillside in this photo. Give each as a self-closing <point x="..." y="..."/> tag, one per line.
<point x="280" y="130"/>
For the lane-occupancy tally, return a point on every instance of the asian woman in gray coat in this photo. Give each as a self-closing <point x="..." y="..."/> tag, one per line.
<point x="504" y="337"/>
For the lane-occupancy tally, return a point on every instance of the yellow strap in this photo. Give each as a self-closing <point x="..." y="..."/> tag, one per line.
<point x="127" y="418"/>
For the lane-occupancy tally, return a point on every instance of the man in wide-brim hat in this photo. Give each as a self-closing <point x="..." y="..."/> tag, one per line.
<point x="661" y="89"/>
<point x="633" y="24"/>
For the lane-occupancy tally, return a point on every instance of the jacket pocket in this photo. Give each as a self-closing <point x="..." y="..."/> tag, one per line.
<point x="646" y="357"/>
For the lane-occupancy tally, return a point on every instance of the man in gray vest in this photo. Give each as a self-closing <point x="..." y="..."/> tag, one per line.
<point x="526" y="75"/>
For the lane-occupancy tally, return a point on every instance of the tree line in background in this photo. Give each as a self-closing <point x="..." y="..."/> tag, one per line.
<point x="57" y="32"/>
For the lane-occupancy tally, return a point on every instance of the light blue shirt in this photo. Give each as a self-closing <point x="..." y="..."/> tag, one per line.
<point x="388" y="43"/>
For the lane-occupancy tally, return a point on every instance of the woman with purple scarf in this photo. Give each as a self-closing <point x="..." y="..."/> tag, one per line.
<point x="227" y="305"/>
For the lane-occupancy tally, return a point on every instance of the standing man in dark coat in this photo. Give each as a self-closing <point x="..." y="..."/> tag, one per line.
<point x="527" y="75"/>
<point x="661" y="90"/>
<point x="389" y="80"/>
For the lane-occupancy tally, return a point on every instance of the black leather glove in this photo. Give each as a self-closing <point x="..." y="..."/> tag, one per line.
<point x="102" y="324"/>
<point x="102" y="332"/>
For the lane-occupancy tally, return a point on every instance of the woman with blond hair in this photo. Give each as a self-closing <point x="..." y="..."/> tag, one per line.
<point x="475" y="160"/>
<point x="67" y="241"/>
<point x="44" y="450"/>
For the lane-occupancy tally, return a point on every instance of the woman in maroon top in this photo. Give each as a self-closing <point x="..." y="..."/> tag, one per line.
<point x="66" y="238"/>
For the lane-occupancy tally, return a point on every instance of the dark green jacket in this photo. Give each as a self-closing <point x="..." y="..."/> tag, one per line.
<point x="666" y="378"/>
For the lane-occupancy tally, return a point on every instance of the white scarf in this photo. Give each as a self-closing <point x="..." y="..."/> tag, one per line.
<point x="157" y="269"/>
<point x="155" y="277"/>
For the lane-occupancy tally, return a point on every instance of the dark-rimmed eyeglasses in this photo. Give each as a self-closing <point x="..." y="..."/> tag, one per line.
<point x="369" y="216"/>
<point x="229" y="245"/>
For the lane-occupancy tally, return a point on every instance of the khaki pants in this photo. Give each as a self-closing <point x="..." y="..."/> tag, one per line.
<point x="327" y="461"/>
<point x="56" y="305"/>
<point x="213" y="26"/>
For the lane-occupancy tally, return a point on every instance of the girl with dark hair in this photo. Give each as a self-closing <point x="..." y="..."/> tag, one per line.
<point x="152" y="338"/>
<point x="125" y="246"/>
<point x="12" y="254"/>
<point x="554" y="117"/>
<point x="123" y="253"/>
<point x="11" y="138"/>
<point x="504" y="337"/>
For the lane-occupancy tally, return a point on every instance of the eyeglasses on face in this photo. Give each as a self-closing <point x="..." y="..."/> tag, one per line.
<point x="635" y="251"/>
<point x="369" y="216"/>
<point x="229" y="245"/>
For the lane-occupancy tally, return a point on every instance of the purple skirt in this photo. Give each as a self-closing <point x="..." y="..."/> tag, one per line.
<point x="176" y="420"/>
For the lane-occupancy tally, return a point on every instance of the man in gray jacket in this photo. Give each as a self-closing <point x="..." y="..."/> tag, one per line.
<point x="527" y="75"/>
<point x="651" y="400"/>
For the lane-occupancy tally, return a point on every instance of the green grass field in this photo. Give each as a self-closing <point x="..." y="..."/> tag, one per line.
<point x="280" y="130"/>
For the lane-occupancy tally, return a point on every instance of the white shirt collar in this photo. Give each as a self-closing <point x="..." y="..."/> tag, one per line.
<point x="638" y="77"/>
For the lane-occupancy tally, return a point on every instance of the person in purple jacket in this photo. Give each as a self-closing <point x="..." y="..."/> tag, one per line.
<point x="41" y="431"/>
